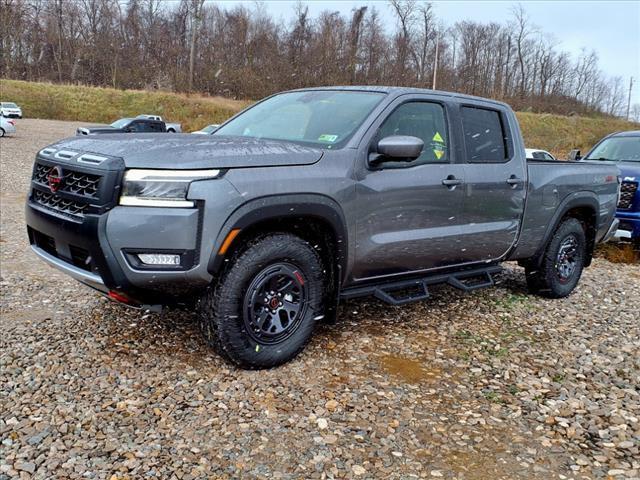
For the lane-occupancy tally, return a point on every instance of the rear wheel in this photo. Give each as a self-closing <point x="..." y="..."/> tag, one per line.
<point x="562" y="263"/>
<point x="262" y="311"/>
<point x="1" y="132"/>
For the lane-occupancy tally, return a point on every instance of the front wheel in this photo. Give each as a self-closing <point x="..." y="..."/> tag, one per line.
<point x="262" y="311"/>
<point x="1" y="132"/>
<point x="562" y="263"/>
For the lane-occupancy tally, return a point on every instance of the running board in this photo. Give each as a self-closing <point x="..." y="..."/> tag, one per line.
<point x="407" y="291"/>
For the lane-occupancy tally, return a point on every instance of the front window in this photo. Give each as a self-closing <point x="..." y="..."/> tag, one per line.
<point x="617" y="149"/>
<point x="423" y="120"/>
<point x="123" y="122"/>
<point x="9" y="105"/>
<point x="323" y="118"/>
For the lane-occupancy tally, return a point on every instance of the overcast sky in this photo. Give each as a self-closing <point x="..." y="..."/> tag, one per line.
<point x="611" y="28"/>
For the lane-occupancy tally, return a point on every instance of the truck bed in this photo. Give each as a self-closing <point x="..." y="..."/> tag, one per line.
<point x="553" y="183"/>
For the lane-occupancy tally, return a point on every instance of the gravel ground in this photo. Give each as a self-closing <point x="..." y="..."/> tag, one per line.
<point x="495" y="384"/>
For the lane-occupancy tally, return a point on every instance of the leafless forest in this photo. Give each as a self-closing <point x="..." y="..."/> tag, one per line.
<point x="244" y="52"/>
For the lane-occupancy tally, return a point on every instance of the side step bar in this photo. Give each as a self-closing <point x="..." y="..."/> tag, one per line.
<point x="406" y="291"/>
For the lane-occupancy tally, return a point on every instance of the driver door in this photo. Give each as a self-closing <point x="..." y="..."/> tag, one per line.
<point x="407" y="218"/>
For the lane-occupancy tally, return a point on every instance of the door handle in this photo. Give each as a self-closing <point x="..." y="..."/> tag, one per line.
<point x="452" y="181"/>
<point x="514" y="181"/>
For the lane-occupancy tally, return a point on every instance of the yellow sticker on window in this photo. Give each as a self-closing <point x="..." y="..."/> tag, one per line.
<point x="438" y="138"/>
<point x="438" y="154"/>
<point x="327" y="138"/>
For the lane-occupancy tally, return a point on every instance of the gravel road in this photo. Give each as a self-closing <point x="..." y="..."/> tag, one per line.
<point x="496" y="384"/>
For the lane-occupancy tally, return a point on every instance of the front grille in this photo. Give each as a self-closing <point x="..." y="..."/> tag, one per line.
<point x="627" y="192"/>
<point x="58" y="204"/>
<point x="78" y="183"/>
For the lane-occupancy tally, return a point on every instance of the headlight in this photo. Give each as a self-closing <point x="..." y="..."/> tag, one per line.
<point x="161" y="188"/>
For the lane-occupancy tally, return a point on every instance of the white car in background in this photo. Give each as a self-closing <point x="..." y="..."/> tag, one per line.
<point x="537" y="154"/>
<point x="10" y="109"/>
<point x="208" y="130"/>
<point x="7" y="127"/>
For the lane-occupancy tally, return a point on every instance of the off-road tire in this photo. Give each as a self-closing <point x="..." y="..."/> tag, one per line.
<point x="546" y="280"/>
<point x="223" y="309"/>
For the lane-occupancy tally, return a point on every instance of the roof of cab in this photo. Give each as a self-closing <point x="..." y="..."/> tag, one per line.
<point x="628" y="133"/>
<point x="397" y="91"/>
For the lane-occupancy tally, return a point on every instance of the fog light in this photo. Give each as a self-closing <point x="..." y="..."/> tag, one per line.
<point x="159" y="259"/>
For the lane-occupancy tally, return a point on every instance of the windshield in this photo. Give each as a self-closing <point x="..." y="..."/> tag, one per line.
<point x="324" y="118"/>
<point x="123" y="122"/>
<point x="209" y="129"/>
<point x="617" y="149"/>
<point x="9" y="105"/>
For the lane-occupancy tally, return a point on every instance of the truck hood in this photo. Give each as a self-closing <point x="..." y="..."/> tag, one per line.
<point x="629" y="171"/>
<point x="98" y="129"/>
<point x="185" y="152"/>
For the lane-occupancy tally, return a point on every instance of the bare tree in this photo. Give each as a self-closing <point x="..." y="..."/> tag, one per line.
<point x="240" y="51"/>
<point x="523" y="30"/>
<point x="196" y="12"/>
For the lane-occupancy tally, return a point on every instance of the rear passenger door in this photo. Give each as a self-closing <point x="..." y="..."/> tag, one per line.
<point x="494" y="190"/>
<point x="155" y="127"/>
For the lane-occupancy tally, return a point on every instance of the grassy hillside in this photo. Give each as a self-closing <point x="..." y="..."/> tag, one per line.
<point x="555" y="133"/>
<point x="559" y="134"/>
<point x="104" y="105"/>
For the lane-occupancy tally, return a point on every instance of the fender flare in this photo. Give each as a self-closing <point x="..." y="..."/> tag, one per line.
<point x="285" y="206"/>
<point x="580" y="199"/>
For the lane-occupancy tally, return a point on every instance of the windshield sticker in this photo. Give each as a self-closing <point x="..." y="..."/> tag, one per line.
<point x="327" y="138"/>
<point x="438" y="145"/>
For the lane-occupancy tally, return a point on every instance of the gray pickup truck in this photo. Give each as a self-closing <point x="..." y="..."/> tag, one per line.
<point x="313" y="196"/>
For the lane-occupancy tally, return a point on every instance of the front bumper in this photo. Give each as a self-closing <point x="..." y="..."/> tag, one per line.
<point x="90" y="279"/>
<point x="629" y="227"/>
<point x="9" y="129"/>
<point x="100" y="250"/>
<point x="96" y="251"/>
<point x="12" y="115"/>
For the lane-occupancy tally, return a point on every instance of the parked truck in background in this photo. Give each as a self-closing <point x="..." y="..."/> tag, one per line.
<point x="126" y="125"/>
<point x="171" y="127"/>
<point x="623" y="150"/>
<point x="313" y="196"/>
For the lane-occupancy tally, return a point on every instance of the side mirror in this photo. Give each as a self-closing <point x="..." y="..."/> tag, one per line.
<point x="128" y="129"/>
<point x="574" y="155"/>
<point x="398" y="147"/>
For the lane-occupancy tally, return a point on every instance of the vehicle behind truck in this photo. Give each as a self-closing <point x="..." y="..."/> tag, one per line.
<point x="311" y="197"/>
<point x="623" y="150"/>
<point x="126" y="125"/>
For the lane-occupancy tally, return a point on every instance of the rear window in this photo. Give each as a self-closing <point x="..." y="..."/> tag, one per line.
<point x="484" y="135"/>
